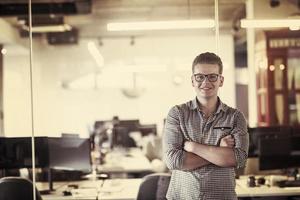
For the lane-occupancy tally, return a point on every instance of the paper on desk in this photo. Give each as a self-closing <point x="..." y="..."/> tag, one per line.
<point x="84" y="192"/>
<point x="113" y="185"/>
<point x="112" y="189"/>
<point x="292" y="188"/>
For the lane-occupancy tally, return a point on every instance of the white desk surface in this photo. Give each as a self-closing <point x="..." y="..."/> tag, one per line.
<point x="120" y="189"/>
<point x="244" y="191"/>
<point x="127" y="189"/>
<point x="111" y="189"/>
<point x="88" y="190"/>
<point x="131" y="161"/>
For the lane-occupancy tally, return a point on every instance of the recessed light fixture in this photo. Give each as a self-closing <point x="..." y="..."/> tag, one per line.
<point x="269" y="23"/>
<point x="49" y="28"/>
<point x="3" y="51"/>
<point x="161" y="25"/>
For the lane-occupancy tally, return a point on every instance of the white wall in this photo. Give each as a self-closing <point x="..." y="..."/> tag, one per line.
<point x="16" y="98"/>
<point x="60" y="110"/>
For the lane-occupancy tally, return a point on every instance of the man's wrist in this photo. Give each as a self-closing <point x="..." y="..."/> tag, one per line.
<point x="197" y="147"/>
<point x="194" y="147"/>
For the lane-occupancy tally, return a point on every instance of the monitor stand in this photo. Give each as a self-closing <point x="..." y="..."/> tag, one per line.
<point x="292" y="172"/>
<point x="50" y="183"/>
<point x="295" y="173"/>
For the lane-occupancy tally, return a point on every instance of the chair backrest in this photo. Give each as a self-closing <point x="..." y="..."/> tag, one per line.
<point x="154" y="186"/>
<point x="17" y="188"/>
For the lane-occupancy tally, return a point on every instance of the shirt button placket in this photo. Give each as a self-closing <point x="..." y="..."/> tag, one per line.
<point x="201" y="196"/>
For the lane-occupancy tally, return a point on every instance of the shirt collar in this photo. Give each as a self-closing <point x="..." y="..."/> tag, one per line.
<point x="221" y="105"/>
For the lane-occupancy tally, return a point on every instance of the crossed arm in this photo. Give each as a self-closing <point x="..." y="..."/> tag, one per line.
<point x="198" y="155"/>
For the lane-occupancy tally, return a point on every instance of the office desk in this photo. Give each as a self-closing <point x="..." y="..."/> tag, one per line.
<point x="130" y="161"/>
<point x="263" y="191"/>
<point x="127" y="189"/>
<point x="88" y="190"/>
<point x="111" y="189"/>
<point x="120" y="189"/>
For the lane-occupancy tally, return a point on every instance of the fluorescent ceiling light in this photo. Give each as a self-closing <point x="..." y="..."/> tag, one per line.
<point x="269" y="23"/>
<point x="161" y="25"/>
<point x="96" y="54"/>
<point x="3" y="51"/>
<point x="137" y="68"/>
<point x="47" y="29"/>
<point x="294" y="28"/>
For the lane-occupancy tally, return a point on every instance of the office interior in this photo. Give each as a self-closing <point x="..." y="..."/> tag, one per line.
<point x="94" y="100"/>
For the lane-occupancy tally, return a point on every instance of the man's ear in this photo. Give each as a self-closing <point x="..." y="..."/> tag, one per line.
<point x="221" y="81"/>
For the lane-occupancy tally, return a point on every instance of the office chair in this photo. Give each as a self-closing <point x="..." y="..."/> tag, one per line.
<point x="16" y="188"/>
<point x="154" y="186"/>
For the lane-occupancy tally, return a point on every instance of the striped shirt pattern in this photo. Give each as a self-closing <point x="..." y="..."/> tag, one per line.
<point x="210" y="182"/>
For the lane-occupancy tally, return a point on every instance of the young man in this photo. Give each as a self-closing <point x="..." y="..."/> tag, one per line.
<point x="204" y="139"/>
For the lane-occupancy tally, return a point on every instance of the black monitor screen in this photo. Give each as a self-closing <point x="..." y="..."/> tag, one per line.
<point x="278" y="148"/>
<point x="103" y="124"/>
<point x="121" y="137"/>
<point x="15" y="153"/>
<point x="70" y="153"/>
<point x="253" y="142"/>
<point x="274" y="150"/>
<point x="295" y="153"/>
<point x="131" y="125"/>
<point x="148" y="129"/>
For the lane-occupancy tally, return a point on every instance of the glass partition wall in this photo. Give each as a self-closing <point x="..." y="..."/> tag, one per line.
<point x="79" y="75"/>
<point x="80" y="70"/>
<point x="86" y="69"/>
<point x="15" y="92"/>
<point x="87" y="73"/>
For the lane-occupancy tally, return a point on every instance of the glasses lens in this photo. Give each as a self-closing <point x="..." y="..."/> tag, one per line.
<point x="212" y="77"/>
<point x="199" y="77"/>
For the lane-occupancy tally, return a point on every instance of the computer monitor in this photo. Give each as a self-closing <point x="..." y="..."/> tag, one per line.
<point x="15" y="153"/>
<point x="295" y="153"/>
<point x="65" y="153"/>
<point x="253" y="141"/>
<point x="274" y="148"/>
<point x="103" y="124"/>
<point x="278" y="148"/>
<point x="131" y="125"/>
<point x="148" y="129"/>
<point x="70" y="153"/>
<point x="121" y="138"/>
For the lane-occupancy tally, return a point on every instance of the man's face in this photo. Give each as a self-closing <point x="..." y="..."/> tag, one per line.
<point x="206" y="80"/>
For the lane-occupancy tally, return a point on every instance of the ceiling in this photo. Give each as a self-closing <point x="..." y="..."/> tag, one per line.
<point x="93" y="24"/>
<point x="92" y="16"/>
<point x="104" y="11"/>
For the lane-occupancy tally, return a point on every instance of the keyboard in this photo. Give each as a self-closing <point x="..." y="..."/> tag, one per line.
<point x="292" y="183"/>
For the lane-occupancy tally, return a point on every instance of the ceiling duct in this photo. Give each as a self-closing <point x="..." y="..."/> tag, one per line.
<point x="20" y="7"/>
<point x="42" y="24"/>
<point x="59" y="38"/>
<point x="42" y="20"/>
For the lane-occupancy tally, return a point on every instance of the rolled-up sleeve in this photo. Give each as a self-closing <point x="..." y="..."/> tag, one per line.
<point x="241" y="137"/>
<point x="173" y="141"/>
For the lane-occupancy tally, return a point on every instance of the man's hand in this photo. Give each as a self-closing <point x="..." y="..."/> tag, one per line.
<point x="188" y="146"/>
<point x="227" y="141"/>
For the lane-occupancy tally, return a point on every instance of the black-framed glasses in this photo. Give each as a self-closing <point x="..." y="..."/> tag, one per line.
<point x="211" y="77"/>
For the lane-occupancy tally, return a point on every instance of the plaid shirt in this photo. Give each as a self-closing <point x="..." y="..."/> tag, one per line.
<point x="210" y="182"/>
